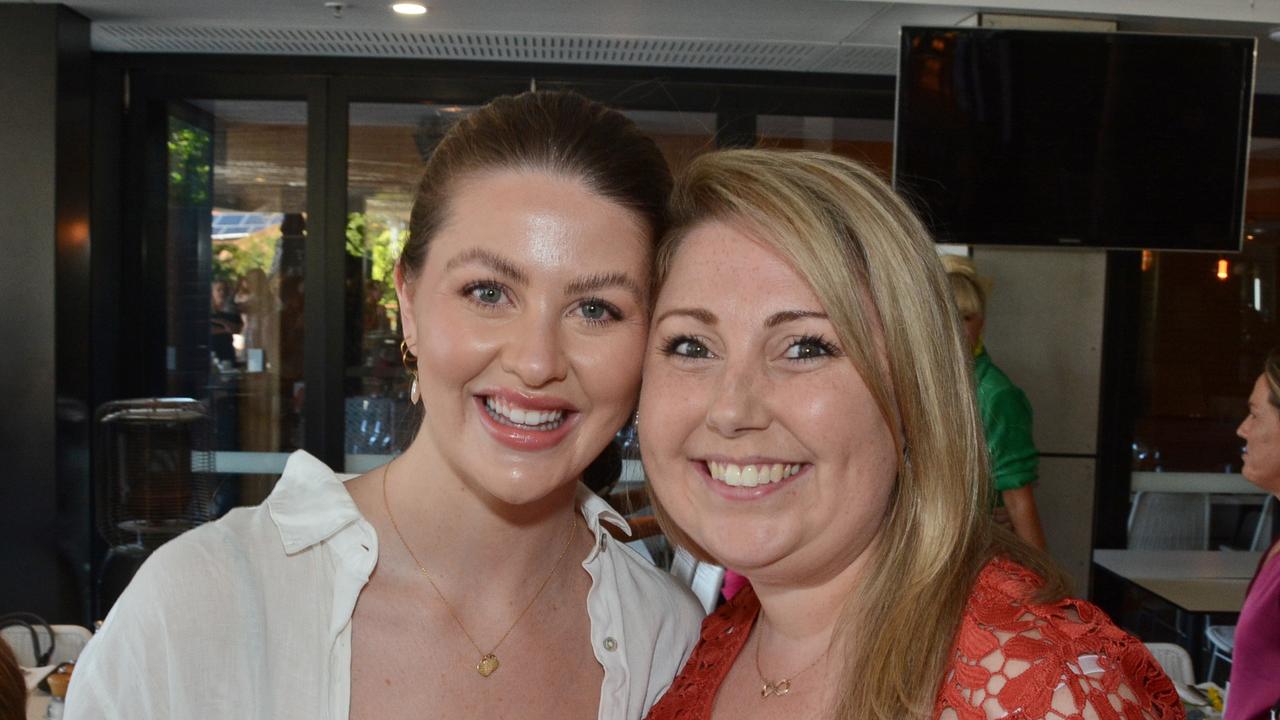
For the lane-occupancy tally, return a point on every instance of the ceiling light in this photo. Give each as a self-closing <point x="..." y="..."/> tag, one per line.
<point x="410" y="8"/>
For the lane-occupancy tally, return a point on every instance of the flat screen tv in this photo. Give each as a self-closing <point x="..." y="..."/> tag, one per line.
<point x="1115" y="140"/>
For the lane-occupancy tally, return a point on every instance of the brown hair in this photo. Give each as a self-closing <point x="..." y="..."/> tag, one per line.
<point x="13" y="689"/>
<point x="874" y="268"/>
<point x="1272" y="370"/>
<point x="562" y="133"/>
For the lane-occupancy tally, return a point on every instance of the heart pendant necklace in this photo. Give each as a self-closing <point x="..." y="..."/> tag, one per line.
<point x="488" y="664"/>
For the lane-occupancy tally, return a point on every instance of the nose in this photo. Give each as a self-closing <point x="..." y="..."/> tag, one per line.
<point x="535" y="351"/>
<point x="1240" y="432"/>
<point x="737" y="402"/>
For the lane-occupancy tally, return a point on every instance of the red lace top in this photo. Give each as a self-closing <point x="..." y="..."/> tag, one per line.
<point x="1012" y="659"/>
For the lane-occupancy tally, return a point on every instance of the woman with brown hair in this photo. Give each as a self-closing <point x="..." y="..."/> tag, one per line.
<point x="807" y="420"/>
<point x="472" y="576"/>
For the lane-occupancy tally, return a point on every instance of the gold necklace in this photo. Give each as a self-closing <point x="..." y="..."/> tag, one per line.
<point x="778" y="688"/>
<point x="488" y="664"/>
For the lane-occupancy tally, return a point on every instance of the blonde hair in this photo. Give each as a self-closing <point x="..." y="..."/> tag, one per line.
<point x="969" y="289"/>
<point x="872" y="265"/>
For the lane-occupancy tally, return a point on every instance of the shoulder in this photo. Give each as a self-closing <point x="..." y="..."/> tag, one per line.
<point x="180" y="603"/>
<point x="1050" y="659"/>
<point x="724" y="632"/>
<point x="640" y="581"/>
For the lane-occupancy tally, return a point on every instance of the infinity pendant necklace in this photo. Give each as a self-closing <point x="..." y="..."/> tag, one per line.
<point x="488" y="663"/>
<point x="782" y="686"/>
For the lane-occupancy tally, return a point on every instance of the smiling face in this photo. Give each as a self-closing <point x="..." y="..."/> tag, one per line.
<point x="1261" y="433"/>
<point x="528" y="319"/>
<point x="760" y="438"/>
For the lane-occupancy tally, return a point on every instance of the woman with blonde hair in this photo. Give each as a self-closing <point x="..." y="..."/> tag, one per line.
<point x="1003" y="407"/>
<point x="1255" y="684"/>
<point x="807" y="420"/>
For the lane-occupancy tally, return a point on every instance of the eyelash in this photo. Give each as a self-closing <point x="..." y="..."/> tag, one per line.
<point x="614" y="314"/>
<point x="669" y="346"/>
<point x="828" y="349"/>
<point x="469" y="289"/>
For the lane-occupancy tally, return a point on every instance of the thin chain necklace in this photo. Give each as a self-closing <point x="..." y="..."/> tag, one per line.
<point x="778" y="688"/>
<point x="488" y="660"/>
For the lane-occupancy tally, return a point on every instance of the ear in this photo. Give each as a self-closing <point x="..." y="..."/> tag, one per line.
<point x="404" y="295"/>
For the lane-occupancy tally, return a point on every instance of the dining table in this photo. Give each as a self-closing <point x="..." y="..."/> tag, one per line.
<point x="1198" y="584"/>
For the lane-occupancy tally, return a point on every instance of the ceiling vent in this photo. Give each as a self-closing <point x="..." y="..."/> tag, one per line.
<point x="499" y="47"/>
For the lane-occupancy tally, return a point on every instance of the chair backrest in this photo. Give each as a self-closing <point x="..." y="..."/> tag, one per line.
<point x="1175" y="660"/>
<point x="704" y="579"/>
<point x="1169" y="521"/>
<point x="1262" y="531"/>
<point x="69" y="640"/>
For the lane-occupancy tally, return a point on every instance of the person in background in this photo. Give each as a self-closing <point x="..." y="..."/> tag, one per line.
<point x="807" y="420"/>
<point x="473" y="576"/>
<point x="224" y="321"/>
<point x="1005" y="411"/>
<point x="1255" y="661"/>
<point x="13" y="688"/>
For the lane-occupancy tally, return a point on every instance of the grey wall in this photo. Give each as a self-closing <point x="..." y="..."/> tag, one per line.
<point x="44" y="139"/>
<point x="1044" y="329"/>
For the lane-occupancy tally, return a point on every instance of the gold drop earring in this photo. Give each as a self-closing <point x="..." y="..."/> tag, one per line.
<point x="411" y="366"/>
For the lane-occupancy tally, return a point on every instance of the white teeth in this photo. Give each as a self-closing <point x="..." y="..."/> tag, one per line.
<point x="751" y="475"/>
<point x="503" y="412"/>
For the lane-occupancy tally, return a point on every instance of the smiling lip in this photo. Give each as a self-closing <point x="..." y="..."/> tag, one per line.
<point x="733" y="492"/>
<point x="517" y="436"/>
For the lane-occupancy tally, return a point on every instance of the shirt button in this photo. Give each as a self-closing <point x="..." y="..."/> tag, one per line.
<point x="610" y="644"/>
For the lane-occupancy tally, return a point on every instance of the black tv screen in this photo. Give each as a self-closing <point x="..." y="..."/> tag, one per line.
<point x="1117" y="140"/>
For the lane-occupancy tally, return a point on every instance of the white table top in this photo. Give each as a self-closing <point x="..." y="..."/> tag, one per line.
<point x="1179" y="564"/>
<point x="1194" y="580"/>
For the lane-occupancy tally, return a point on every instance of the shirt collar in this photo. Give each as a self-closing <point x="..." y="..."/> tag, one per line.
<point x="594" y="509"/>
<point x="309" y="503"/>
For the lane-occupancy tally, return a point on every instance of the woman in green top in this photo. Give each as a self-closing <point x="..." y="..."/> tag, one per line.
<point x="1006" y="414"/>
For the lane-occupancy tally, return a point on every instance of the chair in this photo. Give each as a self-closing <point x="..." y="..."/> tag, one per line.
<point x="1175" y="661"/>
<point x="704" y="579"/>
<point x="1169" y="521"/>
<point x="69" y="640"/>
<point x="1262" y="531"/>
<point x="1222" y="641"/>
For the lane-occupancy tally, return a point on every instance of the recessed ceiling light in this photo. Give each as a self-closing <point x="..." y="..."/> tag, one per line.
<point x="410" y="8"/>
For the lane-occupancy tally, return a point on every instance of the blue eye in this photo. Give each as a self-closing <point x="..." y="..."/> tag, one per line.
<point x="809" y="348"/>
<point x="684" y="346"/>
<point x="486" y="293"/>
<point x="595" y="311"/>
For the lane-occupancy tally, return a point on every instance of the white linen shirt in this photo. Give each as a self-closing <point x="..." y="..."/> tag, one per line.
<point x="250" y="616"/>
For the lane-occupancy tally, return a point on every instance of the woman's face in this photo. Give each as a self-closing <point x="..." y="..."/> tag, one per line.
<point x="1261" y="434"/>
<point x="528" y="319"/>
<point x="760" y="438"/>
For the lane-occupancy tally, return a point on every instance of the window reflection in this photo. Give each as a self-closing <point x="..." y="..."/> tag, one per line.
<point x="236" y="232"/>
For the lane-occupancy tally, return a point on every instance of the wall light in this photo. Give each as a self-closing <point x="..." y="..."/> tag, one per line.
<point x="1224" y="269"/>
<point x="410" y="8"/>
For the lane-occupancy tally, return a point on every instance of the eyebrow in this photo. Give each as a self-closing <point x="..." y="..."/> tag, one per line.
<point x="599" y="281"/>
<point x="495" y="262"/>
<point x="705" y="317"/>
<point x="787" y="316"/>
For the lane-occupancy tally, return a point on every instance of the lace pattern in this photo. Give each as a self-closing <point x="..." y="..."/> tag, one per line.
<point x="1012" y="659"/>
